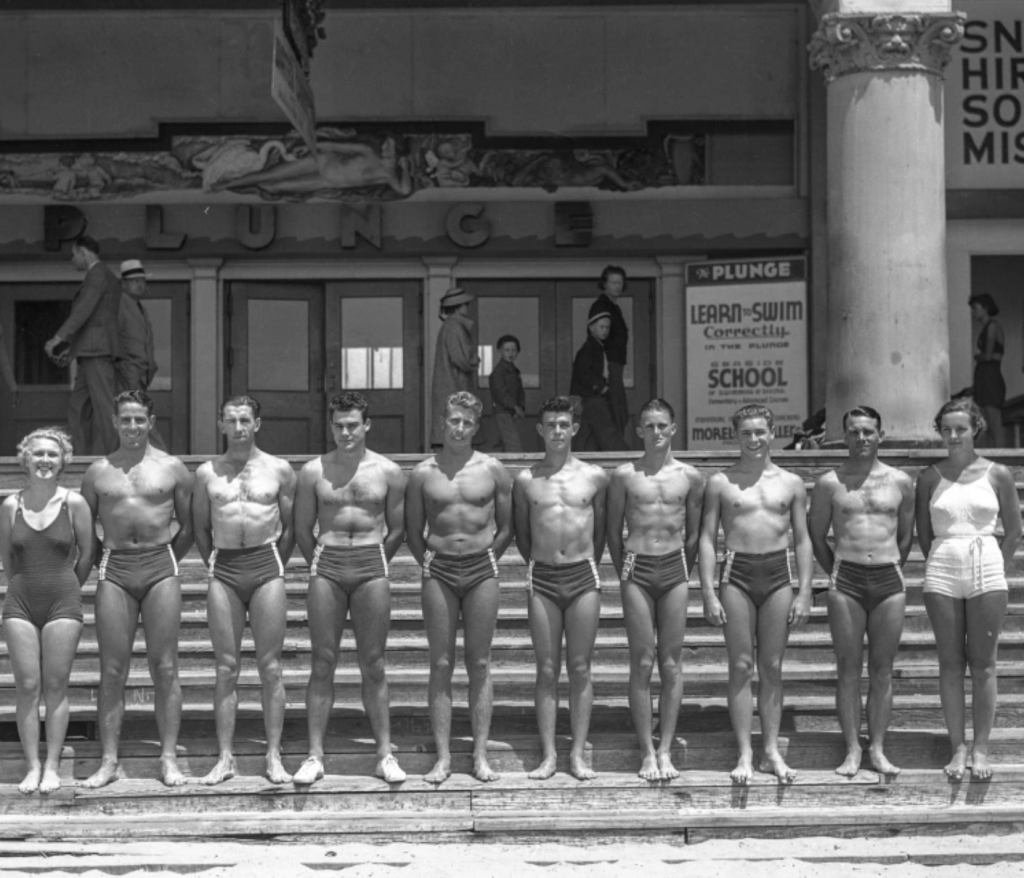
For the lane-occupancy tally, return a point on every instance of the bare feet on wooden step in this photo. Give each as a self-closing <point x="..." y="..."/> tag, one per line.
<point x="649" y="768"/>
<point x="108" y="772"/>
<point x="545" y="769"/>
<point x="881" y="764"/>
<point x="981" y="768"/>
<point x="50" y="782"/>
<point x="743" y="773"/>
<point x="958" y="764"/>
<point x="773" y="763"/>
<point x="222" y="771"/>
<point x="851" y="764"/>
<point x="31" y="782"/>
<point x="275" y="770"/>
<point x="666" y="767"/>
<point x="579" y="769"/>
<point x="170" y="773"/>
<point x="482" y="770"/>
<point x="441" y="771"/>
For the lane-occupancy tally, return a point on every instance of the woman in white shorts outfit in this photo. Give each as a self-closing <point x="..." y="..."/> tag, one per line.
<point x="959" y="501"/>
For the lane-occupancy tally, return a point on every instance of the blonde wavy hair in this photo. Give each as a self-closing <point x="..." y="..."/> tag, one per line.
<point x="54" y="434"/>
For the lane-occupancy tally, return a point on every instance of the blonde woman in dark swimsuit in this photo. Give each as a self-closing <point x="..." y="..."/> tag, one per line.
<point x="47" y="551"/>
<point x="959" y="502"/>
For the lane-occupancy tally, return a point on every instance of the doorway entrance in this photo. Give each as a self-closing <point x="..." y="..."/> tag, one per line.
<point x="549" y="317"/>
<point x="294" y="346"/>
<point x="30" y="313"/>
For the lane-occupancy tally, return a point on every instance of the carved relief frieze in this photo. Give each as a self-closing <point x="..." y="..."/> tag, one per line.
<point x="853" y="43"/>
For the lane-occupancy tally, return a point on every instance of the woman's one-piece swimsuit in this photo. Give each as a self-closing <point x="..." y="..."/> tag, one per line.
<point x="965" y="560"/>
<point x="43" y="585"/>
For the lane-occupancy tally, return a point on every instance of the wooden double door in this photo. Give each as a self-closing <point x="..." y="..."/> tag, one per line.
<point x="549" y="318"/>
<point x="294" y="346"/>
<point x="30" y="313"/>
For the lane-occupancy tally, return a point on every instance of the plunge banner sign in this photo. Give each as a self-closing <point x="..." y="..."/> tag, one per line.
<point x="746" y="342"/>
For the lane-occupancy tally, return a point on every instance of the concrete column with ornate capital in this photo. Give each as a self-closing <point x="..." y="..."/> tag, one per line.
<point x="888" y="336"/>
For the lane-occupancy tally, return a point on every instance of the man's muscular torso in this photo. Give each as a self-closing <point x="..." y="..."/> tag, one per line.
<point x="865" y="514"/>
<point x="244" y="506"/>
<point x="561" y="509"/>
<point x="459" y="505"/>
<point x="136" y="502"/>
<point x="351" y="499"/>
<point x="655" y="508"/>
<point x="755" y="509"/>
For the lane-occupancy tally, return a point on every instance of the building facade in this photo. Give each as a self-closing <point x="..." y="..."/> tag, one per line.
<point x="514" y="150"/>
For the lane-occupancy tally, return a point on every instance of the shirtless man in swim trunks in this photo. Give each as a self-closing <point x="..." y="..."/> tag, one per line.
<point x="464" y="499"/>
<point x="659" y="500"/>
<point x="355" y="496"/>
<point x="757" y="503"/>
<point x="134" y="494"/>
<point x="242" y="513"/>
<point x="870" y="507"/>
<point x="559" y="508"/>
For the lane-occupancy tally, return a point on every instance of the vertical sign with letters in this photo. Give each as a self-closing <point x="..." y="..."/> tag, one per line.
<point x="746" y="342"/>
<point x="985" y="99"/>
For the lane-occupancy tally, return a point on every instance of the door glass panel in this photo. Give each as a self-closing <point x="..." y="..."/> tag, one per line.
<point x="580" y="312"/>
<point x="278" y="344"/>
<point x="160" y="316"/>
<point x="35" y="322"/>
<point x="371" y="343"/>
<point x="518" y="316"/>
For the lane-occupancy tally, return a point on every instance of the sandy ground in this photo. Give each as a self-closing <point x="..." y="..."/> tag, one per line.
<point x="720" y="859"/>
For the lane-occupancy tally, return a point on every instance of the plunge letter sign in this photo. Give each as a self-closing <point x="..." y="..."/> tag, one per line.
<point x="746" y="342"/>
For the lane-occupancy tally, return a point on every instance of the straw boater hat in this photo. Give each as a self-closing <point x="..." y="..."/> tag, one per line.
<point x="132" y="268"/>
<point x="456" y="296"/>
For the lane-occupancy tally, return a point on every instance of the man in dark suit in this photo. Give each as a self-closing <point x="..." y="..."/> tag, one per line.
<point x="136" y="364"/>
<point x="92" y="334"/>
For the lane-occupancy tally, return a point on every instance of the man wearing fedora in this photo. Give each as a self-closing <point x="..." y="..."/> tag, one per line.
<point x="455" y="360"/>
<point x="136" y="364"/>
<point x="92" y="336"/>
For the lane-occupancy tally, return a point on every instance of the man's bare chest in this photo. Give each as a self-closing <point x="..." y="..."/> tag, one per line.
<point x="364" y="491"/>
<point x="474" y="488"/>
<point x="244" y="488"/>
<point x="153" y="483"/>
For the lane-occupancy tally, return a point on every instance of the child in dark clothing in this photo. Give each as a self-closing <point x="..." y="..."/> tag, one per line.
<point x="507" y="394"/>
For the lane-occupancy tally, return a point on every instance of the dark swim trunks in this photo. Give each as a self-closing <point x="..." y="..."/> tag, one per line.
<point x="868" y="584"/>
<point x="757" y="576"/>
<point x="349" y="567"/>
<point x="656" y="574"/>
<point x="136" y="571"/>
<point x="460" y="574"/>
<point x="562" y="584"/>
<point x="245" y="570"/>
